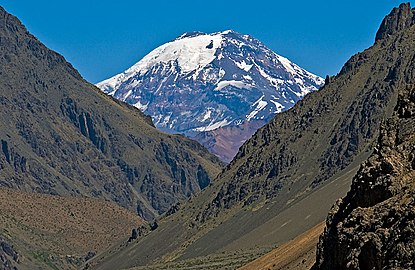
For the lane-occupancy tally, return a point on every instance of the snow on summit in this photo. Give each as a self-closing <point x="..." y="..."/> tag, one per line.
<point x="201" y="82"/>
<point x="190" y="53"/>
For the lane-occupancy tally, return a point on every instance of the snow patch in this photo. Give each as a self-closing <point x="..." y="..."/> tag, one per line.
<point x="260" y="105"/>
<point x="127" y="94"/>
<point x="288" y="65"/>
<point x="213" y="126"/>
<point x="140" y="106"/>
<point x="278" y="106"/>
<point x="190" y="53"/>
<point x="237" y="84"/>
<point x="166" y="120"/>
<point x="244" y="66"/>
<point x="206" y="116"/>
<point x="247" y="77"/>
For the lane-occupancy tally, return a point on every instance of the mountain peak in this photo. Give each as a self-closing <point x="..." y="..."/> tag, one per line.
<point x="190" y="34"/>
<point x="200" y="82"/>
<point x="400" y="18"/>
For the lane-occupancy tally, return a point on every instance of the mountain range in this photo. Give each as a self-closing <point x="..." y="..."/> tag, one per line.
<point x="216" y="88"/>
<point x="71" y="156"/>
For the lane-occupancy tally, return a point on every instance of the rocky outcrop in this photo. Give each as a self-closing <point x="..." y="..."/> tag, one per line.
<point x="373" y="227"/>
<point x="399" y="19"/>
<point x="9" y="257"/>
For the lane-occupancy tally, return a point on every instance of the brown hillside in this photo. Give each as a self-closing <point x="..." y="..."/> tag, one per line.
<point x="59" y="232"/>
<point x="297" y="254"/>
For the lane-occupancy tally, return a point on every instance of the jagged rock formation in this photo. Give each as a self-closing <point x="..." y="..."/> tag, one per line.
<point x="373" y="227"/>
<point x="399" y="19"/>
<point x="61" y="135"/>
<point x="200" y="82"/>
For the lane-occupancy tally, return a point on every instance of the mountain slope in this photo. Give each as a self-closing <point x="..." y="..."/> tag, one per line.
<point x="284" y="179"/>
<point x="373" y="226"/>
<point x="297" y="254"/>
<point x="50" y="232"/>
<point x="200" y="82"/>
<point x="61" y="135"/>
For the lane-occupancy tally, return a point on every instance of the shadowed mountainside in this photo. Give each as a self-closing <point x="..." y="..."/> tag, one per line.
<point x="224" y="142"/>
<point x="61" y="135"/>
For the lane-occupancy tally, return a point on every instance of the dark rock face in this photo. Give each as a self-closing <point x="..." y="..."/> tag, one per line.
<point x="61" y="135"/>
<point x="373" y="227"/>
<point x="142" y="231"/>
<point x="399" y="19"/>
<point x="9" y="257"/>
<point x="91" y="254"/>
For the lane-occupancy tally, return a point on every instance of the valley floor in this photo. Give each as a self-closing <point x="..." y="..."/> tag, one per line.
<point x="298" y="254"/>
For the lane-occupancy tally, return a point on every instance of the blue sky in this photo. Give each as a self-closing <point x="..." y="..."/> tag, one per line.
<point x="103" y="38"/>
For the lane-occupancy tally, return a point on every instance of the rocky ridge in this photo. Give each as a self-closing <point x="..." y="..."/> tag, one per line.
<point x="373" y="226"/>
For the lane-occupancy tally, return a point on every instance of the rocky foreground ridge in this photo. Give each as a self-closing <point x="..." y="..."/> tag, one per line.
<point x="373" y="227"/>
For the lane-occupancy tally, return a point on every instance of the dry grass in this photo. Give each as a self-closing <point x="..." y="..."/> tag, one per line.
<point x="299" y="253"/>
<point x="61" y="227"/>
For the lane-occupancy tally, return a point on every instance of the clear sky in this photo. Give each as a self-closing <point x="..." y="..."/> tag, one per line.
<point x="102" y="38"/>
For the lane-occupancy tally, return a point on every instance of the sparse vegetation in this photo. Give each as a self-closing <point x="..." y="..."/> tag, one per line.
<point x="59" y="232"/>
<point x="45" y="257"/>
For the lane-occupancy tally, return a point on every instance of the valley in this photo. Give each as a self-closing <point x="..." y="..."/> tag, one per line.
<point x="316" y="174"/>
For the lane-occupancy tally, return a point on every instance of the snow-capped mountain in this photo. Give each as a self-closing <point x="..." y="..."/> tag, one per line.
<point x="201" y="82"/>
